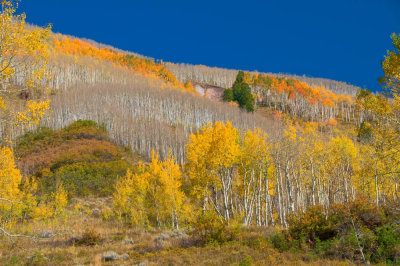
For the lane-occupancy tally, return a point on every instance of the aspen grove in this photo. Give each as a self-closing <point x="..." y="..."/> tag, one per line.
<point x="81" y="120"/>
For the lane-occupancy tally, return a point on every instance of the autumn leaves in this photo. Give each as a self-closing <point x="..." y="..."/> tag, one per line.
<point x="238" y="176"/>
<point x="78" y="48"/>
<point x="248" y="178"/>
<point x="152" y="196"/>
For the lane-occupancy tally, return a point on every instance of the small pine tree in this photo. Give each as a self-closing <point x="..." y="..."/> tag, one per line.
<point x="242" y="93"/>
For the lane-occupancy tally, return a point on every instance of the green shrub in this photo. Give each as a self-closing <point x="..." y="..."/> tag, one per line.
<point x="85" y="178"/>
<point x="241" y="93"/>
<point x="212" y="229"/>
<point x="85" y="129"/>
<point x="324" y="224"/>
<point x="312" y="225"/>
<point x="388" y="238"/>
<point x="247" y="261"/>
<point x="37" y="139"/>
<point x="280" y="241"/>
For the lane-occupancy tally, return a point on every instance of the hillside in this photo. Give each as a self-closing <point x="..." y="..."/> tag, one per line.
<point x="81" y="156"/>
<point x="83" y="65"/>
<point x="111" y="157"/>
<point x="109" y="82"/>
<point x="225" y="77"/>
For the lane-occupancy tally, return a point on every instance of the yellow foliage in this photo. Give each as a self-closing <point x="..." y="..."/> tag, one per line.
<point x="60" y="200"/>
<point x="42" y="212"/>
<point x="291" y="133"/>
<point x="10" y="179"/>
<point x="106" y="213"/>
<point x="35" y="110"/>
<point x="254" y="147"/>
<point x="213" y="147"/>
<point x="152" y="195"/>
<point x="129" y="197"/>
<point x="53" y="206"/>
<point x="14" y="201"/>
<point x="23" y="49"/>
<point x="391" y="66"/>
<point x="166" y="194"/>
<point x="3" y="105"/>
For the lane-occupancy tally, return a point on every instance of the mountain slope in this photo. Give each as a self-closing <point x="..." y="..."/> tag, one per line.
<point x="134" y="95"/>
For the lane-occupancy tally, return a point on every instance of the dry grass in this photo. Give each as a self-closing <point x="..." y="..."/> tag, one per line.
<point x="179" y="249"/>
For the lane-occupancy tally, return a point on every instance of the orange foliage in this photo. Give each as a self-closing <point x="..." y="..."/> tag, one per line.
<point x="277" y="114"/>
<point x="332" y="122"/>
<point x="293" y="88"/>
<point x="76" y="47"/>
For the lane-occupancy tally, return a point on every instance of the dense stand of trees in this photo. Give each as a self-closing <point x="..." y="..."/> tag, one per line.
<point x="257" y="180"/>
<point x="225" y="77"/>
<point x="144" y="117"/>
<point x="263" y="180"/>
<point x="247" y="176"/>
<point x="291" y="96"/>
<point x="317" y="100"/>
<point x="214" y="76"/>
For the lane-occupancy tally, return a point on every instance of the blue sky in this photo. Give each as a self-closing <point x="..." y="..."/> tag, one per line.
<point x="337" y="39"/>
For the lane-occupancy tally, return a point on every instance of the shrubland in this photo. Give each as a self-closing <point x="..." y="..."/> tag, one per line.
<point x="81" y="157"/>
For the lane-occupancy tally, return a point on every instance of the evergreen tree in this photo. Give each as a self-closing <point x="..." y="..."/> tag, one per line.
<point x="228" y="95"/>
<point x="241" y="93"/>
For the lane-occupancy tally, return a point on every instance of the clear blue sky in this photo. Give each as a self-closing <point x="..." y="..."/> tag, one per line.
<point x="338" y="39"/>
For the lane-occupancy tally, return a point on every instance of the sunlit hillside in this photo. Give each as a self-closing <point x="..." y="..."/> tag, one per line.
<point x="110" y="157"/>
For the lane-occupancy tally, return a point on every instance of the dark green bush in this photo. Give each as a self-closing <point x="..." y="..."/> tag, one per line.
<point x="388" y="241"/>
<point x="312" y="224"/>
<point x="38" y="139"/>
<point x="280" y="241"/>
<point x="85" y="129"/>
<point x="228" y="95"/>
<point x="242" y="94"/>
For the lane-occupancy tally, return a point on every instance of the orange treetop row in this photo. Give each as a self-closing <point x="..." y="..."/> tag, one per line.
<point x="73" y="46"/>
<point x="294" y="88"/>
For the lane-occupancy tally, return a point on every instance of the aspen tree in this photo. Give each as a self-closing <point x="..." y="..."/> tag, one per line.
<point x="212" y="154"/>
<point x="130" y="196"/>
<point x="252" y="171"/>
<point x="23" y="50"/>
